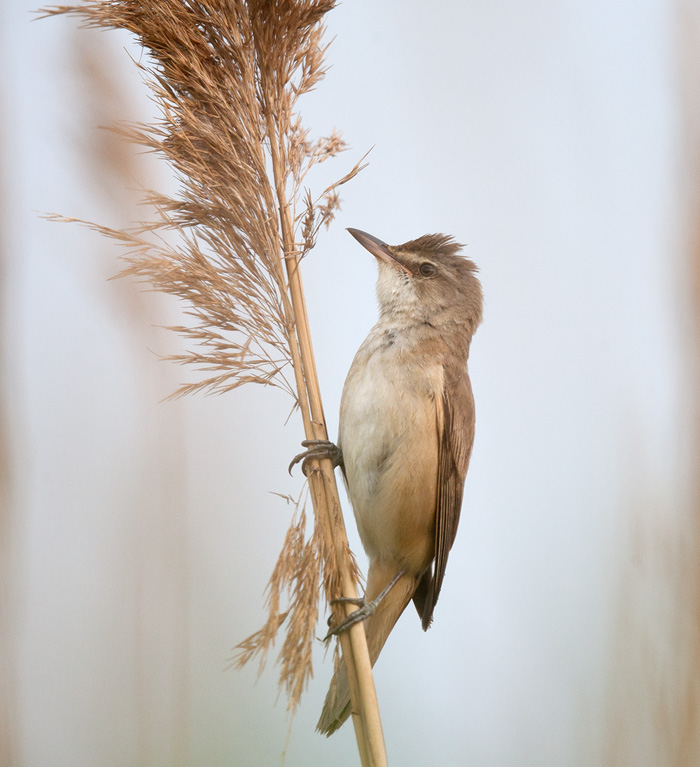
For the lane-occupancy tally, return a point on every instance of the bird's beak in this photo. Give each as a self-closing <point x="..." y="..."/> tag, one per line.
<point x="378" y="249"/>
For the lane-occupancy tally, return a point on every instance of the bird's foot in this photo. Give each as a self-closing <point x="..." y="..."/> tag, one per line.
<point x="317" y="448"/>
<point x="359" y="601"/>
<point x="366" y="609"/>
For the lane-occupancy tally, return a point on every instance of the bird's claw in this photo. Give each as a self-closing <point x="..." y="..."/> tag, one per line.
<point x="359" y="601"/>
<point x="316" y="448"/>
<point x="366" y="609"/>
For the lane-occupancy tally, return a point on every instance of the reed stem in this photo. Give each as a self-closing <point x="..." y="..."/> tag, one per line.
<point x="324" y="490"/>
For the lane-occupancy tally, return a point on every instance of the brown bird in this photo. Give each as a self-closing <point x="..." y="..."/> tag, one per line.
<point x="406" y="434"/>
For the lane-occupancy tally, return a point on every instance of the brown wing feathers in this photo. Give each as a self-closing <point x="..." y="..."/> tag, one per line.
<point x="455" y="422"/>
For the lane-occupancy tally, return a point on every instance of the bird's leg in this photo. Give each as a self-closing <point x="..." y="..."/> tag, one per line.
<point x="317" y="448"/>
<point x="366" y="608"/>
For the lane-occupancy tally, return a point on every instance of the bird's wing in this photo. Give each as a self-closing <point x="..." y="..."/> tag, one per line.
<point x="455" y="426"/>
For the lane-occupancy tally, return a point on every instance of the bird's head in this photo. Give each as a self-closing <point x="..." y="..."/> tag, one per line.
<point x="425" y="280"/>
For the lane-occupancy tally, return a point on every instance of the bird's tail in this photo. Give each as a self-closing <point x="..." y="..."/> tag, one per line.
<point x="378" y="626"/>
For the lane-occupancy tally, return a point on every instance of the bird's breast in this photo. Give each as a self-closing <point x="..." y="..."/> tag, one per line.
<point x="388" y="434"/>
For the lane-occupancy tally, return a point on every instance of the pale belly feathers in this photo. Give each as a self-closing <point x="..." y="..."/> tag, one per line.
<point x="389" y="443"/>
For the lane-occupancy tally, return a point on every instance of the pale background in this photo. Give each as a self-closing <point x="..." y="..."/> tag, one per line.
<point x="556" y="140"/>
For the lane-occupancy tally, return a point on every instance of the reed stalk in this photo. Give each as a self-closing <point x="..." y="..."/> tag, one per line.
<point x="226" y="76"/>
<point x="324" y="490"/>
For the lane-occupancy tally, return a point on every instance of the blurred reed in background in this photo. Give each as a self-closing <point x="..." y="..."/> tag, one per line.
<point x="116" y="173"/>
<point x="9" y="710"/>
<point x="653" y="712"/>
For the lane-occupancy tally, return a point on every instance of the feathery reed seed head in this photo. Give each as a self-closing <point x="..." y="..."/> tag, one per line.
<point x="226" y="77"/>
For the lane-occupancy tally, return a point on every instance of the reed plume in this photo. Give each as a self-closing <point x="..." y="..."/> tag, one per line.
<point x="226" y="76"/>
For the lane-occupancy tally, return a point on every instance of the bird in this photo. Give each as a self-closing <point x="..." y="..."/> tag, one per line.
<point x="405" y="436"/>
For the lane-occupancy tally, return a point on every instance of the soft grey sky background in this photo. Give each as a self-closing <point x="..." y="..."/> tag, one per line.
<point x="547" y="136"/>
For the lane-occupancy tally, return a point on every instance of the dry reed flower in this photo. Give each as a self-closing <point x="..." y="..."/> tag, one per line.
<point x="225" y="76"/>
<point x="221" y="73"/>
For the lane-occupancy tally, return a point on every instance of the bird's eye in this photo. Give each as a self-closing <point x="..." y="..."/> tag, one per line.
<point x="427" y="269"/>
